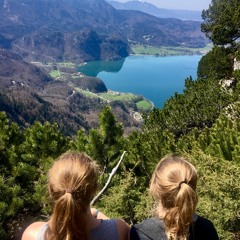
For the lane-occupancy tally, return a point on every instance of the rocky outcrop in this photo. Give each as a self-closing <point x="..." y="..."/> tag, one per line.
<point x="236" y="65"/>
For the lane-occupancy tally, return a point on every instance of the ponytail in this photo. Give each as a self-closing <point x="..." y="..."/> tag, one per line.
<point x="72" y="185"/>
<point x="179" y="218"/>
<point x="66" y="220"/>
<point x="173" y="186"/>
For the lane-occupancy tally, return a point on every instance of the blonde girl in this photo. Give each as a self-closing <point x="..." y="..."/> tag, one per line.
<point x="173" y="187"/>
<point x="72" y="184"/>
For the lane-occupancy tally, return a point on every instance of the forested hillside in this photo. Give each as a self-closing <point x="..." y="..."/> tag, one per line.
<point x="28" y="93"/>
<point x="202" y="124"/>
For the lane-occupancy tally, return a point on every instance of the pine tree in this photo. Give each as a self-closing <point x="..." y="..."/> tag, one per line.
<point x="10" y="191"/>
<point x="216" y="64"/>
<point x="105" y="144"/>
<point x="80" y="141"/>
<point x="221" y="21"/>
<point x="224" y="138"/>
<point x="42" y="144"/>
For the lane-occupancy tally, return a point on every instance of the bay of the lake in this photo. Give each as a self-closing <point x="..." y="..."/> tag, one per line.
<point x="155" y="78"/>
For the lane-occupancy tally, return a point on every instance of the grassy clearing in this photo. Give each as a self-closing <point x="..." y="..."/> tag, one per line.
<point x="168" y="51"/>
<point x="116" y="96"/>
<point x="144" y="104"/>
<point x="75" y="77"/>
<point x="87" y="93"/>
<point x="66" y="64"/>
<point x="129" y="98"/>
<point x="55" y="73"/>
<point x="141" y="103"/>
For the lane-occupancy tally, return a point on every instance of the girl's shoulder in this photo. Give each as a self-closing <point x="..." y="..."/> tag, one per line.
<point x="203" y="229"/>
<point x="123" y="229"/>
<point x="151" y="228"/>
<point x="32" y="230"/>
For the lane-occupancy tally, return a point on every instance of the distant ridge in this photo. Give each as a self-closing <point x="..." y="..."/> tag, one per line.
<point x="87" y="30"/>
<point x="155" y="11"/>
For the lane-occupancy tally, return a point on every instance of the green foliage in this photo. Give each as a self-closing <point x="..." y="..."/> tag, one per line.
<point x="218" y="179"/>
<point x="236" y="75"/>
<point x="10" y="199"/>
<point x="216" y="64"/>
<point x="125" y="199"/>
<point x="225" y="139"/>
<point x="40" y="198"/>
<point x="165" y="51"/>
<point x="238" y="55"/>
<point x="221" y="21"/>
<point x="188" y="122"/>
<point x="10" y="191"/>
<point x="144" y="105"/>
<point x="41" y="141"/>
<point x="198" y="107"/>
<point x="187" y="142"/>
<point x="10" y="136"/>
<point x="42" y="144"/>
<point x="80" y="142"/>
<point x="25" y="158"/>
<point x="219" y="192"/>
<point x="221" y="140"/>
<point x="104" y="144"/>
<point x="145" y="150"/>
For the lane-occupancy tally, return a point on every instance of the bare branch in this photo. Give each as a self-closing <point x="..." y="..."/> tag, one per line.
<point x="114" y="170"/>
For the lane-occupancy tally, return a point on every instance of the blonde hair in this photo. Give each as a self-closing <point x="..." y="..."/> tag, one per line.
<point x="72" y="184"/>
<point x="173" y="186"/>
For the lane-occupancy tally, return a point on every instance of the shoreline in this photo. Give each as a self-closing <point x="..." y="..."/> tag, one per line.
<point x="57" y="72"/>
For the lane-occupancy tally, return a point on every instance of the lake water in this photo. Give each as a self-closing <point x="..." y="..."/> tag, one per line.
<point x="155" y="78"/>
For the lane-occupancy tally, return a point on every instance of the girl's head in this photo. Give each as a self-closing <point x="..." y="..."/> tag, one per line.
<point x="72" y="185"/>
<point x="73" y="175"/>
<point x="173" y="186"/>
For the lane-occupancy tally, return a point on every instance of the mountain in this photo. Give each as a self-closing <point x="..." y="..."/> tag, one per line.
<point x="47" y="30"/>
<point x="28" y="94"/>
<point x="86" y="30"/>
<point x="155" y="11"/>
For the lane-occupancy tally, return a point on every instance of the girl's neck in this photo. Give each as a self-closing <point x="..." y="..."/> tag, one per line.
<point x="92" y="222"/>
<point x="161" y="212"/>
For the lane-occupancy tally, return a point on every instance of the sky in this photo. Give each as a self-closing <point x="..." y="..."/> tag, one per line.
<point x="198" y="5"/>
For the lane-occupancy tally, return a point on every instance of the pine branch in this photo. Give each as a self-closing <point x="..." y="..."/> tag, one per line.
<point x="114" y="170"/>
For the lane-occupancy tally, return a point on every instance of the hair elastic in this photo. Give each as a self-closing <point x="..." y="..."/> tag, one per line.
<point x="179" y="185"/>
<point x="68" y="191"/>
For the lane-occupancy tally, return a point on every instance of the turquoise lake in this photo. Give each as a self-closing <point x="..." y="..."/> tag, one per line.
<point x="155" y="78"/>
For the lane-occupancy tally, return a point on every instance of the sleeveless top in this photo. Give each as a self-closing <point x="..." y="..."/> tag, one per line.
<point x="106" y="230"/>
